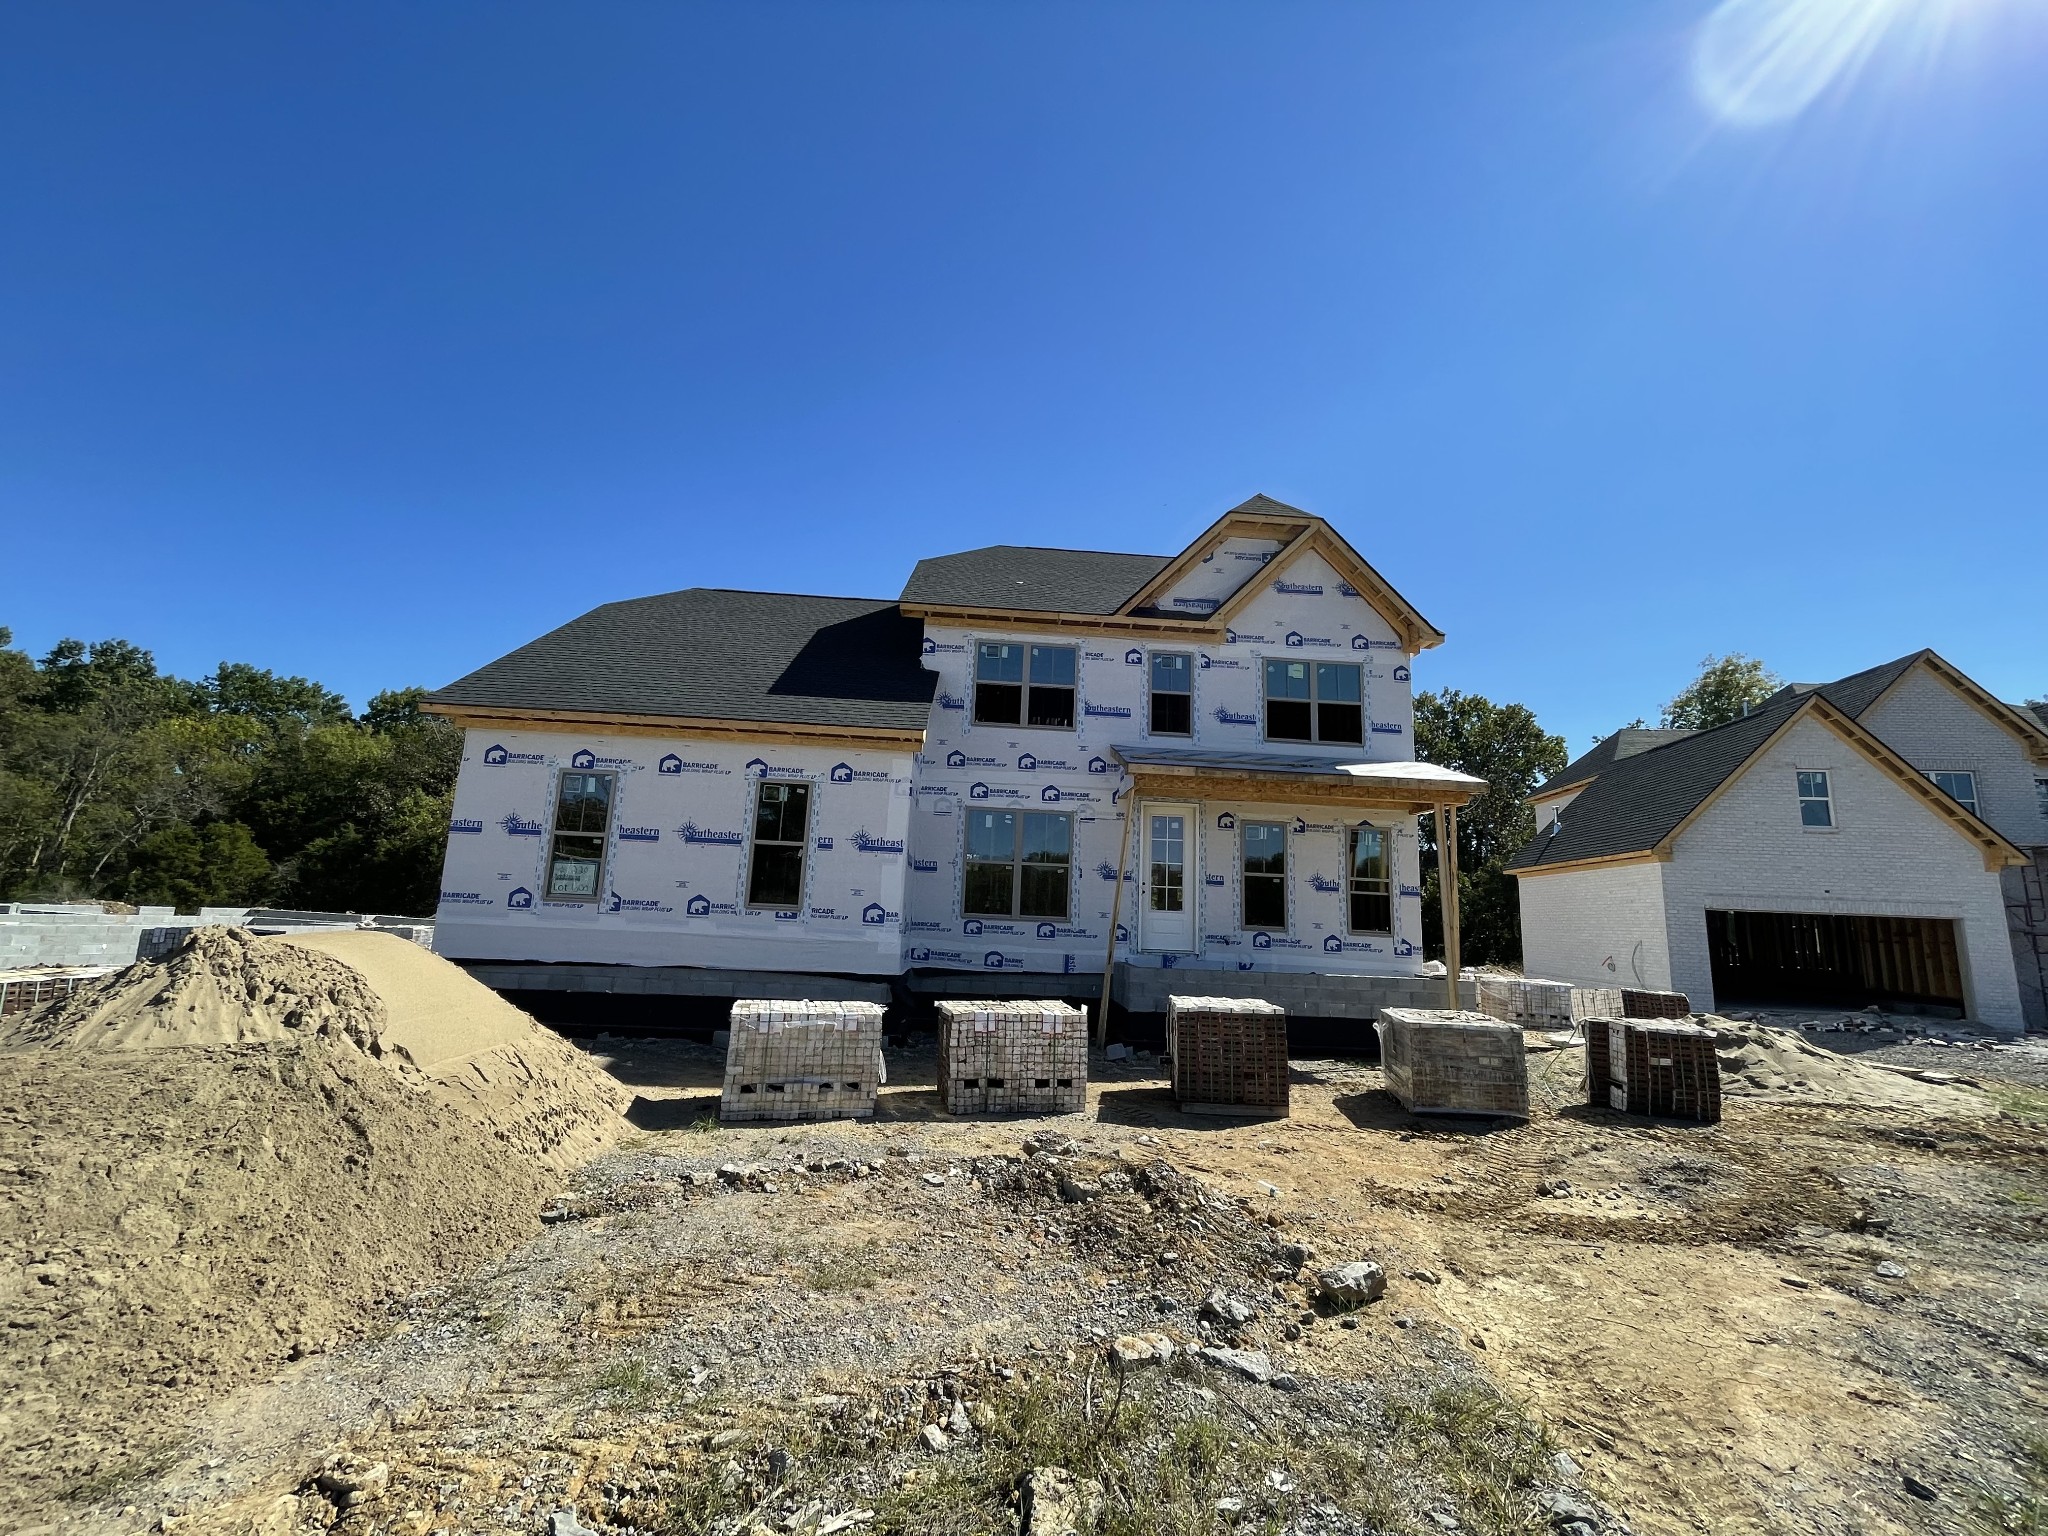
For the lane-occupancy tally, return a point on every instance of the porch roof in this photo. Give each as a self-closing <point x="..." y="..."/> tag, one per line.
<point x="1278" y="777"/>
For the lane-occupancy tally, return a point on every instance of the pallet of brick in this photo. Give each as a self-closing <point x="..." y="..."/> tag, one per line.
<point x="1598" y="1035"/>
<point x="1545" y="1004"/>
<point x="802" y="1061"/>
<point x="1229" y="1055"/>
<point x="23" y="990"/>
<point x="1659" y="1067"/>
<point x="1641" y="1003"/>
<point x="1454" y="1063"/>
<point x="1015" y="1057"/>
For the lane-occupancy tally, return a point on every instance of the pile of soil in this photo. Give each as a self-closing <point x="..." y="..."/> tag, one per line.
<point x="1758" y="1061"/>
<point x="220" y="1161"/>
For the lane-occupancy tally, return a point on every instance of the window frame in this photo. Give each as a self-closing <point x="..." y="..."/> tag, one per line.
<point x="2041" y="795"/>
<point x="1936" y="775"/>
<point x="1026" y="687"/>
<point x="755" y="842"/>
<point x="1153" y="692"/>
<point x="1016" y="864"/>
<point x="1315" y="702"/>
<point x="603" y="835"/>
<point x="1826" y="798"/>
<point x="1353" y="880"/>
<point x="1245" y="876"/>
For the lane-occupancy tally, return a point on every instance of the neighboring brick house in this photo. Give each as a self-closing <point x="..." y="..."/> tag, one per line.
<point x="730" y="783"/>
<point x="1874" y="839"/>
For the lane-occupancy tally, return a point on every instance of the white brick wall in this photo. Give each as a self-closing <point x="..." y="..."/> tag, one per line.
<point x="1888" y="854"/>
<point x="1932" y="726"/>
<point x="1597" y="927"/>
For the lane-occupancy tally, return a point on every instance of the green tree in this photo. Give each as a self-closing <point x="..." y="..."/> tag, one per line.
<point x="218" y="865"/>
<point x="1504" y="745"/>
<point x="1727" y="688"/>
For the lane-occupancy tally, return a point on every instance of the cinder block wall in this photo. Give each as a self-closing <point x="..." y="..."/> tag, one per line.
<point x="1145" y="990"/>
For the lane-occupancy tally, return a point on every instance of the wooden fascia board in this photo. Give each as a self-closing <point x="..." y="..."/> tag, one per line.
<point x="1049" y="623"/>
<point x="1416" y="632"/>
<point x="1559" y="789"/>
<point x="1998" y="853"/>
<point x="1281" y="789"/>
<point x="1604" y="861"/>
<point x="2032" y="736"/>
<point x="1231" y="525"/>
<point x="774" y="733"/>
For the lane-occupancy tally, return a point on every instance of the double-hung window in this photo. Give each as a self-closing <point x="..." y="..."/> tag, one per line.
<point x="1019" y="864"/>
<point x="1960" y="787"/>
<point x="2041" y="797"/>
<point x="1265" y="874"/>
<point x="583" y="815"/>
<point x="1314" y="701"/>
<point x="782" y="820"/>
<point x="1372" y="897"/>
<point x="1018" y="684"/>
<point x="1816" y="804"/>
<point x="1173" y="699"/>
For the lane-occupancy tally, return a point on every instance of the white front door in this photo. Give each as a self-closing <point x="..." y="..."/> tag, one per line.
<point x="1167" y="862"/>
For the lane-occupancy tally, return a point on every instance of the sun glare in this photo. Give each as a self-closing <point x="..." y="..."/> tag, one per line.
<point x="1763" y="61"/>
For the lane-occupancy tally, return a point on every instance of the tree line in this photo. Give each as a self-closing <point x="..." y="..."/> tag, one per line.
<point x="243" y="788"/>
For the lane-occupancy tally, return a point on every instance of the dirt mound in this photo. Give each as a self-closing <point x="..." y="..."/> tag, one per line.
<point x="1758" y="1061"/>
<point x="178" y="1221"/>
<point x="223" y="986"/>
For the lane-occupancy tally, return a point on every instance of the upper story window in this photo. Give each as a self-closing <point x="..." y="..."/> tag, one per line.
<point x="782" y="820"/>
<point x="1019" y="864"/>
<point x="1816" y="804"/>
<point x="1372" y="895"/>
<point x="1265" y="874"/>
<point x="583" y="815"/>
<point x="1959" y="786"/>
<point x="1314" y="701"/>
<point x="2041" y="797"/>
<point x="1024" y="684"/>
<point x="1173" y="699"/>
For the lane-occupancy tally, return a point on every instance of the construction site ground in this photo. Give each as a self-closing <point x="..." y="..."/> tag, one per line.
<point x="1812" y="1317"/>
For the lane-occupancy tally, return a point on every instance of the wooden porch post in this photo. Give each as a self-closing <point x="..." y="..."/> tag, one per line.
<point x="1116" y="906"/>
<point x="1447" y="888"/>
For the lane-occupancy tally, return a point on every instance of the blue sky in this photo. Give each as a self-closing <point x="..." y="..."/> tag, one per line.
<point x="370" y="341"/>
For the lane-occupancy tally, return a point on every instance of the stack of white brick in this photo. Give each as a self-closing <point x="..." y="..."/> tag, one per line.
<point x="1013" y="1057"/>
<point x="802" y="1061"/>
<point x="1545" y="1004"/>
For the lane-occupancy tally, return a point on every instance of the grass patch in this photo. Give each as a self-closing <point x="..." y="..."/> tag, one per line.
<point x="2018" y="1514"/>
<point x="2017" y="1102"/>
<point x="857" y="1269"/>
<point x="1163" y="1454"/>
<point x="116" y="1477"/>
<point x="628" y="1384"/>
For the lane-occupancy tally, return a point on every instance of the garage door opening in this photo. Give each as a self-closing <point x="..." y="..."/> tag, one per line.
<point x="1832" y="960"/>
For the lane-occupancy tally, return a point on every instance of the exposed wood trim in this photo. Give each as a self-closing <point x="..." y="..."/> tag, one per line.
<point x="680" y="727"/>
<point x="2033" y="736"/>
<point x="1998" y="853"/>
<point x="1412" y="797"/>
<point x="1416" y="632"/>
<point x="1113" y="623"/>
<point x="1561" y="789"/>
<point x="1231" y="525"/>
<point x="1604" y="861"/>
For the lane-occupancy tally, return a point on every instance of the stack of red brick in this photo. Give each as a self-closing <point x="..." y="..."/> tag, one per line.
<point x="1653" y="1067"/>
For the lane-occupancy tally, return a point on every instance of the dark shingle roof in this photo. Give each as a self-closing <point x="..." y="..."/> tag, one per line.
<point x="1636" y="801"/>
<point x="1855" y="693"/>
<point x="1629" y="741"/>
<point x="707" y="653"/>
<point x="1018" y="578"/>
